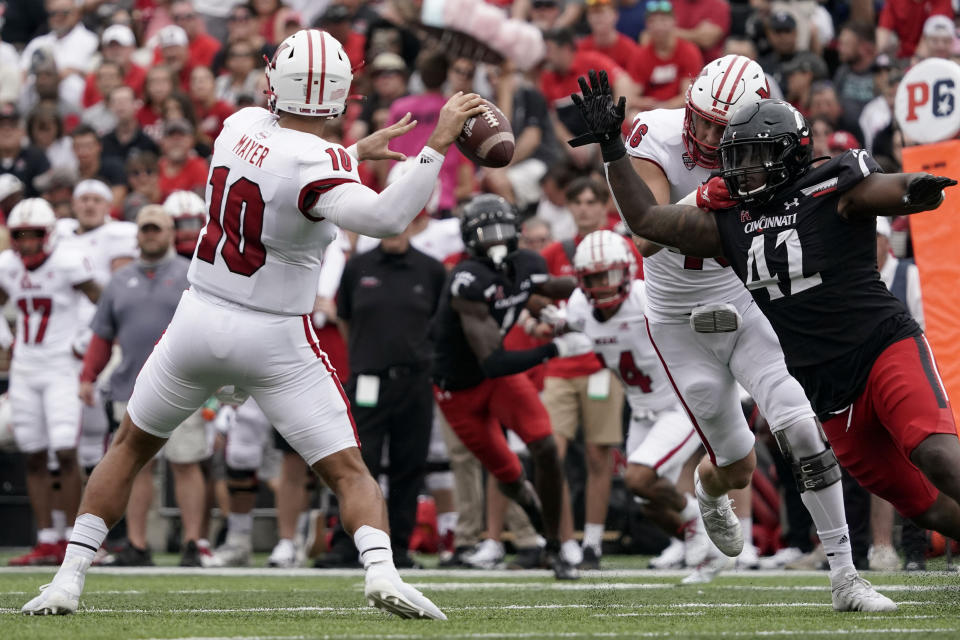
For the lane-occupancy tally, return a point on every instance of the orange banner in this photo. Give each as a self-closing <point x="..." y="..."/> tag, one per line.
<point x="935" y="242"/>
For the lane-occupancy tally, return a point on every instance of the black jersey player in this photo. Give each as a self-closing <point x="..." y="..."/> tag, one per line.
<point x="802" y="240"/>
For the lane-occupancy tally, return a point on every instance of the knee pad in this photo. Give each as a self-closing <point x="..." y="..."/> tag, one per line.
<point x="241" y="480"/>
<point x="702" y="397"/>
<point x="811" y="471"/>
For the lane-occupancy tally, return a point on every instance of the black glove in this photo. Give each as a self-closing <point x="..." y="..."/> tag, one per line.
<point x="604" y="119"/>
<point x="926" y="191"/>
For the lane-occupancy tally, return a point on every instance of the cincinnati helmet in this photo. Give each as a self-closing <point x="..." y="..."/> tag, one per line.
<point x="489" y="227"/>
<point x="310" y="74"/>
<point x="33" y="214"/>
<point x="189" y="213"/>
<point x="765" y="146"/>
<point x="722" y="87"/>
<point x="605" y="268"/>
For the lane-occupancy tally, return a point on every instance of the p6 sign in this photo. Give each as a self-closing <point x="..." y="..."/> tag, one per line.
<point x="926" y="105"/>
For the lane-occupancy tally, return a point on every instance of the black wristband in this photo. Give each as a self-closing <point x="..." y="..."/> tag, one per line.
<point x="612" y="149"/>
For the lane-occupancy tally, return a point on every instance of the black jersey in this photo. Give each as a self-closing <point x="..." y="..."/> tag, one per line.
<point x="505" y="290"/>
<point x="814" y="275"/>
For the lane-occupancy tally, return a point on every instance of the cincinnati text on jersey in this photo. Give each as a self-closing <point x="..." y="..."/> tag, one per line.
<point x="770" y="222"/>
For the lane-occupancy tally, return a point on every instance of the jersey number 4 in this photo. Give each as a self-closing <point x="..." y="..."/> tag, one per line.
<point x="796" y="281"/>
<point x="241" y="221"/>
<point x="43" y="306"/>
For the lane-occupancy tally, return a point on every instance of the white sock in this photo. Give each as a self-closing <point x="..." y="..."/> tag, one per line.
<point x="447" y="522"/>
<point x="746" y="525"/>
<point x="701" y="492"/>
<point x="203" y="543"/>
<point x="593" y="536"/>
<point x="48" y="536"/>
<point x="240" y="523"/>
<point x="690" y="510"/>
<point x="59" y="519"/>
<point x="374" y="546"/>
<point x="88" y="534"/>
<point x="826" y="510"/>
<point x="571" y="552"/>
<point x="303" y="523"/>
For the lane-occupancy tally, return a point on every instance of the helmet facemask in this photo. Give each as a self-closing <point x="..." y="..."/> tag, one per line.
<point x="754" y="169"/>
<point x="606" y="287"/>
<point x="704" y="154"/>
<point x="495" y="241"/>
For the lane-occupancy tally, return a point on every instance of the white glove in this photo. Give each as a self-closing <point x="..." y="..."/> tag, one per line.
<point x="554" y="316"/>
<point x="573" y="344"/>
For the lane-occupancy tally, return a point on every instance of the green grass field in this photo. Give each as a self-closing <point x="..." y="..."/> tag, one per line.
<point x="622" y="602"/>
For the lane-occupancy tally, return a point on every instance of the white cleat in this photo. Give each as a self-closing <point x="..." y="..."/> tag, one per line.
<point x="722" y="525"/>
<point x="853" y="593"/>
<point x="749" y="558"/>
<point x="384" y="589"/>
<point x="669" y="558"/>
<point x="695" y="541"/>
<point x="883" y="558"/>
<point x="781" y="558"/>
<point x="62" y="596"/>
<point x="487" y="555"/>
<point x="227" y="555"/>
<point x="285" y="555"/>
<point x="706" y="571"/>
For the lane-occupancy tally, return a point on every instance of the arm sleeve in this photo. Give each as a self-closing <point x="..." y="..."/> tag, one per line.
<point x="331" y="270"/>
<point x="357" y="208"/>
<point x="96" y="358"/>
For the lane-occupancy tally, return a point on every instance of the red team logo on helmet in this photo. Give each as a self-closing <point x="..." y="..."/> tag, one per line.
<point x="723" y="86"/>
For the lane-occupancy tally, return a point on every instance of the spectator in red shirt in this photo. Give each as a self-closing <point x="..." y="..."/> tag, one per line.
<point x="209" y="111"/>
<point x="563" y="64"/>
<point x="604" y="37"/>
<point x="202" y="46"/>
<point x="157" y="87"/>
<point x="665" y="66"/>
<point x="705" y="23"/>
<point x="117" y="45"/>
<point x="175" y="54"/>
<point x="179" y="166"/>
<point x="902" y="21"/>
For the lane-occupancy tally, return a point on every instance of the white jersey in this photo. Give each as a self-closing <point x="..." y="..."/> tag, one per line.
<point x="623" y="346"/>
<point x="111" y="240"/>
<point x="262" y="247"/>
<point x="47" y="305"/>
<point x="677" y="283"/>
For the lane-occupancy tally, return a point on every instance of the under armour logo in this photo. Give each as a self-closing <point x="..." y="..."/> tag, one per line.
<point x="795" y="203"/>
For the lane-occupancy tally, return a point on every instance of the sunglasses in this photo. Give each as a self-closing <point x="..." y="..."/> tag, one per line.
<point x="659" y="6"/>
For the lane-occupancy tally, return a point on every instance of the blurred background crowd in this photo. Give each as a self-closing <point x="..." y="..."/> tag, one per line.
<point x="133" y="93"/>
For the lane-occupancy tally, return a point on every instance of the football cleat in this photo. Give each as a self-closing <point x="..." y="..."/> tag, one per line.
<point x="228" y="555"/>
<point x="749" y="558"/>
<point x="591" y="560"/>
<point x="284" y="555"/>
<point x="44" y="554"/>
<point x="385" y="590"/>
<point x="722" y="524"/>
<point x="883" y="558"/>
<point x="487" y="555"/>
<point x="707" y="570"/>
<point x="781" y="558"/>
<point x="671" y="557"/>
<point x="561" y="567"/>
<point x="852" y="593"/>
<point x="62" y="596"/>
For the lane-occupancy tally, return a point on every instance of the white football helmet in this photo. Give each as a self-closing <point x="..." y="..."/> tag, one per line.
<point x="189" y="213"/>
<point x="310" y="74"/>
<point x="33" y="214"/>
<point x="722" y="87"/>
<point x="604" y="253"/>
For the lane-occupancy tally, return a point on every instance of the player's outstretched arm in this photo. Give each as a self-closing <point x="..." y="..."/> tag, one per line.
<point x="688" y="229"/>
<point x="557" y="287"/>
<point x="894" y="194"/>
<point x="357" y="208"/>
<point x="376" y="146"/>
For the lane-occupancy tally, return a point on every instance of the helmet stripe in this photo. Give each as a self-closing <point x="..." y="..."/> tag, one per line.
<point x="309" y="64"/>
<point x="723" y="81"/>
<point x="733" y="88"/>
<point x="323" y="67"/>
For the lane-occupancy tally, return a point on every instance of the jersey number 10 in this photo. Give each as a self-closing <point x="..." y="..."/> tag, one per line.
<point x="243" y="251"/>
<point x="796" y="281"/>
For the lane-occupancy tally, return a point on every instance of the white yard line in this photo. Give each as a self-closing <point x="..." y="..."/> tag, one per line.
<point x="594" y="634"/>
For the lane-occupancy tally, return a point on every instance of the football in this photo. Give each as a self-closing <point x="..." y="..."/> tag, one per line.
<point x="487" y="139"/>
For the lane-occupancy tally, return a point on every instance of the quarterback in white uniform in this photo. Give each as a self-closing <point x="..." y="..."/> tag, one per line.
<point x="277" y="193"/>
<point x="108" y="245"/>
<point x="609" y="307"/>
<point x="46" y="282"/>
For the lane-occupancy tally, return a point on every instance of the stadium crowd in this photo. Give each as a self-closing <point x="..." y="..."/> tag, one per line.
<point x="109" y="112"/>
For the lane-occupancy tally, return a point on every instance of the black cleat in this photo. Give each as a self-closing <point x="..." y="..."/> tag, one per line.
<point x="191" y="555"/>
<point x="129" y="556"/>
<point x="591" y="561"/>
<point x="527" y="558"/>
<point x="562" y="570"/>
